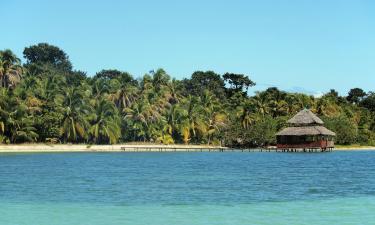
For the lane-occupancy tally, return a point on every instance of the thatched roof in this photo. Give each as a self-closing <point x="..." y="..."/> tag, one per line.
<point x="301" y="131"/>
<point x="305" y="123"/>
<point x="305" y="117"/>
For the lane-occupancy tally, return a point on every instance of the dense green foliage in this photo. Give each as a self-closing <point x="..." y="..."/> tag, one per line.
<point x="45" y="100"/>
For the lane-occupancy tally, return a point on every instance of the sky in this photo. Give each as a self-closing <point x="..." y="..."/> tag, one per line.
<point x="308" y="46"/>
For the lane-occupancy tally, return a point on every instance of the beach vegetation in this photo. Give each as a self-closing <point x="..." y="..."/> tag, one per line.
<point x="46" y="100"/>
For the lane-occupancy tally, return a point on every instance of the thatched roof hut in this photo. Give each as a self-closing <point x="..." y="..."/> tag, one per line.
<point x="300" y="131"/>
<point x="305" y="117"/>
<point x="305" y="130"/>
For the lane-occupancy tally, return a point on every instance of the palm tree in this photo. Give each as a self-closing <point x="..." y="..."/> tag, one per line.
<point x="53" y="86"/>
<point x="139" y="118"/>
<point x="194" y="123"/>
<point x="3" y="109"/>
<point x="123" y="94"/>
<point x="75" y="109"/>
<point x="99" y="88"/>
<point x="215" y="118"/>
<point x="105" y="123"/>
<point x="246" y="112"/>
<point x="21" y="125"/>
<point x="177" y="122"/>
<point x="10" y="69"/>
<point x="292" y="106"/>
<point x="215" y="123"/>
<point x="261" y="103"/>
<point x="305" y="101"/>
<point x="160" y="79"/>
<point x="278" y="108"/>
<point x="173" y="95"/>
<point x="23" y="130"/>
<point x="326" y="107"/>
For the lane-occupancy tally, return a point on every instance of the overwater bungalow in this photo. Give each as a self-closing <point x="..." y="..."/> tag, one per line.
<point x="305" y="132"/>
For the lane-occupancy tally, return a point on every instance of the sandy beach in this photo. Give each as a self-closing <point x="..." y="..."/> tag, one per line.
<point x="105" y="148"/>
<point x="132" y="148"/>
<point x="354" y="148"/>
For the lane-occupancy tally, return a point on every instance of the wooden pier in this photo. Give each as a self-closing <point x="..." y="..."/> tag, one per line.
<point x="171" y="149"/>
<point x="305" y="149"/>
<point x="214" y="149"/>
<point x="282" y="150"/>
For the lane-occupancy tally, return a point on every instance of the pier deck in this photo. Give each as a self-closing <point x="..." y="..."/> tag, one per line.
<point x="214" y="149"/>
<point x="171" y="149"/>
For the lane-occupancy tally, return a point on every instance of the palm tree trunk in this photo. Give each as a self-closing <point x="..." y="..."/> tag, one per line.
<point x="2" y="81"/>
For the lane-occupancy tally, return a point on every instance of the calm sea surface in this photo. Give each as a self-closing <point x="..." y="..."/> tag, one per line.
<point x="187" y="188"/>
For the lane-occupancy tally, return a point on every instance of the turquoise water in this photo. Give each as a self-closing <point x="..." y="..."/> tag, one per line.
<point x="187" y="188"/>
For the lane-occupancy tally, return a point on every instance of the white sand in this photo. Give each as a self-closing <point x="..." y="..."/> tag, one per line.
<point x="103" y="148"/>
<point x="360" y="148"/>
<point x="129" y="148"/>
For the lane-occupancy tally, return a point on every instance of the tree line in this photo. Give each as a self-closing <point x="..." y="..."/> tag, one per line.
<point x="46" y="100"/>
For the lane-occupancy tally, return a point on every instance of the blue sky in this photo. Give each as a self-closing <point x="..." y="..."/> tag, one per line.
<point x="301" y="45"/>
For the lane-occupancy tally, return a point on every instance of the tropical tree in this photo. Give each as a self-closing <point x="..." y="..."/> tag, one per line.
<point x="105" y="123"/>
<point x="263" y="133"/>
<point x="247" y="113"/>
<point x="160" y="80"/>
<point x="123" y="94"/>
<point x="278" y="107"/>
<point x="201" y="81"/>
<point x="46" y="54"/>
<point x="20" y="124"/>
<point x="178" y="123"/>
<point x="238" y="83"/>
<point x="215" y="117"/>
<point x="75" y="108"/>
<point x="260" y="102"/>
<point x="326" y="107"/>
<point x="3" y="111"/>
<point x="139" y="118"/>
<point x="10" y="69"/>
<point x="356" y="95"/>
<point x="369" y="101"/>
<point x="345" y="129"/>
<point x="292" y="104"/>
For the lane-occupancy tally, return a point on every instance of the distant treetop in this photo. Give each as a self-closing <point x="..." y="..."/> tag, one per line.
<point x="44" y="53"/>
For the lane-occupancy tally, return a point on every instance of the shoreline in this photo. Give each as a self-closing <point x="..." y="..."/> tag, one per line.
<point x="107" y="148"/>
<point x="147" y="147"/>
<point x="360" y="148"/>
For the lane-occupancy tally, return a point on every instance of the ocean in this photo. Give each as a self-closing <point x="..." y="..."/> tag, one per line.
<point x="164" y="188"/>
